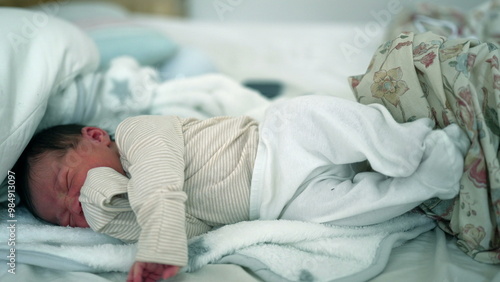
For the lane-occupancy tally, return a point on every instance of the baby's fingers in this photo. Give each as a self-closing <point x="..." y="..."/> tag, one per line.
<point x="170" y="271"/>
<point x="144" y="272"/>
<point x="135" y="273"/>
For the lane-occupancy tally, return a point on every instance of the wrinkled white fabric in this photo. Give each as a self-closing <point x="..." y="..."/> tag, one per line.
<point x="308" y="163"/>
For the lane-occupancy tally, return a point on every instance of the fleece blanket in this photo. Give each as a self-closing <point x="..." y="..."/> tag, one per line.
<point x="449" y="81"/>
<point x="275" y="250"/>
<point x="73" y="249"/>
<point x="281" y="250"/>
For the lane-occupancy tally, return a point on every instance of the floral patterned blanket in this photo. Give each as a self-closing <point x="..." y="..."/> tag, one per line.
<point x="457" y="80"/>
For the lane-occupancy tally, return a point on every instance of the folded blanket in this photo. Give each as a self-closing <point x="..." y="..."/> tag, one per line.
<point x="274" y="250"/>
<point x="127" y="89"/>
<point x="450" y="81"/>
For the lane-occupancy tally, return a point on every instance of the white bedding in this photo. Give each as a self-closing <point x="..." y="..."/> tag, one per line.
<point x="307" y="58"/>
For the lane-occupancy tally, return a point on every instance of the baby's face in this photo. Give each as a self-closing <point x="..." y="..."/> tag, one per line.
<point x="56" y="182"/>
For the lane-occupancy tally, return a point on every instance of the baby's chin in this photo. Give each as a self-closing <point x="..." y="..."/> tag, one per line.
<point x="83" y="223"/>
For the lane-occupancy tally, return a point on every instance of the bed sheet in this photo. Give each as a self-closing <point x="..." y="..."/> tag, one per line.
<point x="434" y="256"/>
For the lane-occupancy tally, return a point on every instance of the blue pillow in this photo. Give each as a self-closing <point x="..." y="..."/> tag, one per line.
<point x="147" y="46"/>
<point x="114" y="33"/>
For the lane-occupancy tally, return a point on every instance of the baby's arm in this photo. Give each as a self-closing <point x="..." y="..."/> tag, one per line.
<point x="109" y="213"/>
<point x="154" y="148"/>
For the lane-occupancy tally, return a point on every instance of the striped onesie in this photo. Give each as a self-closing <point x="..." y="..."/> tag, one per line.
<point x="188" y="176"/>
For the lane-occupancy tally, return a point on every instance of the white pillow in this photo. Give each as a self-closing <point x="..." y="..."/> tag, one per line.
<point x="40" y="55"/>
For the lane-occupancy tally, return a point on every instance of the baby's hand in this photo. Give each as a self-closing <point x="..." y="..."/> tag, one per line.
<point x="151" y="272"/>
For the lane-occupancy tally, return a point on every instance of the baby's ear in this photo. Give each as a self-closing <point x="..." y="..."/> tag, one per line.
<point x="95" y="134"/>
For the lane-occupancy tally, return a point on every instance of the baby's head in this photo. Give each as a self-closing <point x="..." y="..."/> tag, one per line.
<point x="54" y="166"/>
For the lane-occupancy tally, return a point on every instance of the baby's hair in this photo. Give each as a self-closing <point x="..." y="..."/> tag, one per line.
<point x="58" y="139"/>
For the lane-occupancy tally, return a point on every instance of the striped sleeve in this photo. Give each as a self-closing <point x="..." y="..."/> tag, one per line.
<point x="154" y="148"/>
<point x="105" y="206"/>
